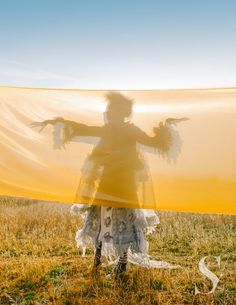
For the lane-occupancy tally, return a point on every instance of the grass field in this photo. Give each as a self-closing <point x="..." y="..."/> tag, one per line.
<point x="40" y="264"/>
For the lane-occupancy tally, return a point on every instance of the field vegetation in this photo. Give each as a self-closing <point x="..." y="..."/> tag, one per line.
<point x="40" y="264"/>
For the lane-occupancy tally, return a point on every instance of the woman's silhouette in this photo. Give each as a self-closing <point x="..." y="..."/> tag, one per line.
<point x="109" y="179"/>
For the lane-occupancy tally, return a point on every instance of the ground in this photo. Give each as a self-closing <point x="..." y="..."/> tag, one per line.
<point x="40" y="264"/>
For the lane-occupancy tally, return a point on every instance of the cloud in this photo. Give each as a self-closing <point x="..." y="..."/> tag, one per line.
<point x="17" y="74"/>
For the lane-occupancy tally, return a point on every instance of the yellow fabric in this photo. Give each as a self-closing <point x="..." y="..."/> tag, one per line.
<point x="202" y="180"/>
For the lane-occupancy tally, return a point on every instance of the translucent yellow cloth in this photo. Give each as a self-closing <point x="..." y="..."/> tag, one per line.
<point x="203" y="179"/>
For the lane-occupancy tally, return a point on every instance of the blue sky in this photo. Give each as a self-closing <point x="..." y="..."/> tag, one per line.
<point x="118" y="44"/>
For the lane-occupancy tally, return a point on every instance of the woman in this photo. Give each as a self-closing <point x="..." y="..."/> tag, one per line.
<point x="110" y="180"/>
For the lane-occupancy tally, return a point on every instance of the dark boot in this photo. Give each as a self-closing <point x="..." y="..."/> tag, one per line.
<point x="98" y="252"/>
<point x="121" y="266"/>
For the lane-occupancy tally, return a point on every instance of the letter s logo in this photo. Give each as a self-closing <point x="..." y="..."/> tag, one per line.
<point x="204" y="270"/>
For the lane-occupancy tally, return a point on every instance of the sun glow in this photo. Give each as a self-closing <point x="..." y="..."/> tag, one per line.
<point x="100" y="107"/>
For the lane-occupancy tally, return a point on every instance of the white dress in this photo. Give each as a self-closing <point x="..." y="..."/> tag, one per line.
<point x="120" y="229"/>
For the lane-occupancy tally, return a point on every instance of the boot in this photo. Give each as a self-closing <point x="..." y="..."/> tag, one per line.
<point x="121" y="266"/>
<point x="98" y="253"/>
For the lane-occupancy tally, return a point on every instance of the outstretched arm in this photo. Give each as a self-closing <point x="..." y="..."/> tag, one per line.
<point x="71" y="128"/>
<point x="161" y="140"/>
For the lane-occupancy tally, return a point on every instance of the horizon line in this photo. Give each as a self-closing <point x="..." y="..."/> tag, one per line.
<point x="123" y="89"/>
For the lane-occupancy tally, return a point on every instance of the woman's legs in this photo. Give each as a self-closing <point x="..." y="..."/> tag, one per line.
<point x="122" y="264"/>
<point x="98" y="253"/>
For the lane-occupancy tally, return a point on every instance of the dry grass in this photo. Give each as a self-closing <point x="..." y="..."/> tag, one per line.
<point x="40" y="264"/>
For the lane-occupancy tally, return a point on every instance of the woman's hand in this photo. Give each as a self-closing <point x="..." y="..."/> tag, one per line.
<point x="43" y="124"/>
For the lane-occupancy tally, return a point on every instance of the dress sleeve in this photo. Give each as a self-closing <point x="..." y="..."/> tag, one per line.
<point x="166" y="141"/>
<point x="161" y="139"/>
<point x="64" y="131"/>
<point x="73" y="129"/>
